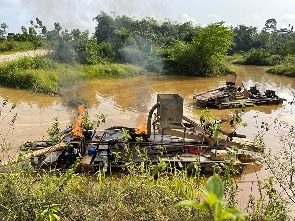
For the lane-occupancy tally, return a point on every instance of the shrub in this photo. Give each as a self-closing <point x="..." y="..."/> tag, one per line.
<point x="14" y="46"/>
<point x="257" y="57"/>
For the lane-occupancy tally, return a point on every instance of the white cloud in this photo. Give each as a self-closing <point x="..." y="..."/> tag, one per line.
<point x="185" y="18"/>
<point x="255" y="21"/>
<point x="212" y="18"/>
<point x="73" y="14"/>
<point x="285" y="20"/>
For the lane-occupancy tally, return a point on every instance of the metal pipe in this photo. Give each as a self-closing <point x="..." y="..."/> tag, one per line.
<point x="149" y="123"/>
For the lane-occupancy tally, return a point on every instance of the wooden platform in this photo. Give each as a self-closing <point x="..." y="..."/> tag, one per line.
<point x="232" y="97"/>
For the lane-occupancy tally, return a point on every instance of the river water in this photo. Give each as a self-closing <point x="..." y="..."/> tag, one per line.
<point x="124" y="100"/>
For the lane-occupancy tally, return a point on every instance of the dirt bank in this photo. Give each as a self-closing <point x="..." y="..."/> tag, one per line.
<point x="17" y="55"/>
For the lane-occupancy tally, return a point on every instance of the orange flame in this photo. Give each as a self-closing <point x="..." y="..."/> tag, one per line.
<point x="78" y="128"/>
<point x="142" y="129"/>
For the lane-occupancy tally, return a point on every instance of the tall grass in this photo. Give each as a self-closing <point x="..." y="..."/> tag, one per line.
<point x="42" y="75"/>
<point x="16" y="46"/>
<point x="111" y="70"/>
<point x="286" y="68"/>
<point x="33" y="74"/>
<point x="25" y="194"/>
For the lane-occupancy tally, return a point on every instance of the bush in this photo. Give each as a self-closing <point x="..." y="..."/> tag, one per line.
<point x="112" y="70"/>
<point x="257" y="57"/>
<point x="32" y="74"/>
<point x="42" y="75"/>
<point x="282" y="70"/>
<point x="286" y="67"/>
<point x="14" y="46"/>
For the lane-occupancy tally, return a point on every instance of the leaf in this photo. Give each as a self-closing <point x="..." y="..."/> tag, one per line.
<point x="214" y="185"/>
<point x="56" y="217"/>
<point x="215" y="134"/>
<point x="235" y="213"/>
<point x="44" y="212"/>
<point x="211" y="199"/>
<point x="192" y="203"/>
<point x="226" y="216"/>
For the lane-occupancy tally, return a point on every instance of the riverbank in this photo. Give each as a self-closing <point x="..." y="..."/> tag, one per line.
<point x="273" y="64"/>
<point x="37" y="73"/>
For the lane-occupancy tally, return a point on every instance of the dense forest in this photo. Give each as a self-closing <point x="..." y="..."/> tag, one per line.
<point x="161" y="47"/>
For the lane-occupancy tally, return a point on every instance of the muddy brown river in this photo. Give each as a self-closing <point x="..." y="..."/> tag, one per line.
<point x="124" y="100"/>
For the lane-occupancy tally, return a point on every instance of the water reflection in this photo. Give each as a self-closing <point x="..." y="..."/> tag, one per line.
<point x="252" y="75"/>
<point x="23" y="97"/>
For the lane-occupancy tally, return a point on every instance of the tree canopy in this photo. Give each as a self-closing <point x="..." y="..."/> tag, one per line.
<point x="202" y="56"/>
<point x="166" y="46"/>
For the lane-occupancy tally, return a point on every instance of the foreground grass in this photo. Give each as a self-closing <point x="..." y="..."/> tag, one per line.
<point x="25" y="196"/>
<point x="42" y="75"/>
<point x="56" y="195"/>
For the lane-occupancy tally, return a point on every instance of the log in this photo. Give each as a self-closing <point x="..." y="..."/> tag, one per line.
<point x="31" y="155"/>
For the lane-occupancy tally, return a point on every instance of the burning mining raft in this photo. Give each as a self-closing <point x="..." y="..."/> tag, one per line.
<point x="166" y="136"/>
<point x="235" y="95"/>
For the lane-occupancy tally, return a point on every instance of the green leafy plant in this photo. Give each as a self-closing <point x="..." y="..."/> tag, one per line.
<point x="89" y="124"/>
<point x="54" y="132"/>
<point x="213" y="204"/>
<point x="51" y="211"/>
<point x="7" y="122"/>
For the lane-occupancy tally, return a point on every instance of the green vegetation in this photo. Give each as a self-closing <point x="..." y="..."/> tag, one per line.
<point x="43" y="75"/>
<point x="283" y="70"/>
<point x="202" y="56"/>
<point x="286" y="67"/>
<point x="162" y="47"/>
<point x="26" y="196"/>
<point x="120" y="39"/>
<point x="7" y="47"/>
<point x="213" y="204"/>
<point x="269" y="47"/>
<point x="145" y="192"/>
<point x="120" y="45"/>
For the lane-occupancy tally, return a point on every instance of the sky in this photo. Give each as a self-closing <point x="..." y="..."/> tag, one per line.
<point x="73" y="14"/>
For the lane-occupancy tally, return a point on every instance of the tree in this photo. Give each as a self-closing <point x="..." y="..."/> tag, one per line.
<point x="202" y="56"/>
<point x="186" y="31"/>
<point x="270" y="25"/>
<point x="243" y="38"/>
<point x="79" y="43"/>
<point x="24" y="30"/>
<point x="105" y="27"/>
<point x="54" y="36"/>
<point x="41" y="29"/>
<point x="3" y="26"/>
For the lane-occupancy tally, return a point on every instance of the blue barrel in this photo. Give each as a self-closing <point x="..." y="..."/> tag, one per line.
<point x="92" y="150"/>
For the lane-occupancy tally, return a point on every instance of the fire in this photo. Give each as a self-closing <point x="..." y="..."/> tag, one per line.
<point x="78" y="128"/>
<point x="142" y="129"/>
